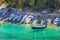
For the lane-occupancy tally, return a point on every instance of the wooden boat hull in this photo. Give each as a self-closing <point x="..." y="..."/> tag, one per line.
<point x="40" y="27"/>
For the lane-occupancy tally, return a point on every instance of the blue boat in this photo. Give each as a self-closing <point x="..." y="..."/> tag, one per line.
<point x="39" y="27"/>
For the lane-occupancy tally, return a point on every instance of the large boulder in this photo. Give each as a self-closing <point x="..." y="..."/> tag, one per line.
<point x="58" y="24"/>
<point x="46" y="11"/>
<point x="13" y="10"/>
<point x="17" y="19"/>
<point x="4" y="10"/>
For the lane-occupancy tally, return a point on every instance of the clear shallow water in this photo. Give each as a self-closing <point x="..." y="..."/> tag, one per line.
<point x="25" y="32"/>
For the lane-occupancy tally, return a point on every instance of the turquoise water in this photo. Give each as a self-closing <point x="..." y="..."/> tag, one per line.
<point x="10" y="31"/>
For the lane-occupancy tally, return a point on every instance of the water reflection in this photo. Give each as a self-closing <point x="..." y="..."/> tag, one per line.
<point x="38" y="30"/>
